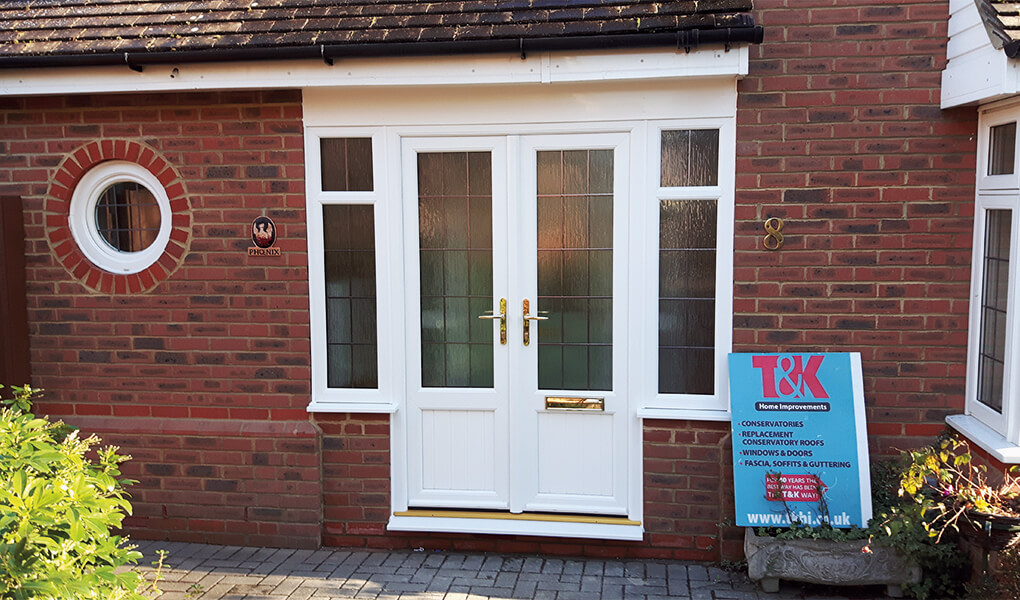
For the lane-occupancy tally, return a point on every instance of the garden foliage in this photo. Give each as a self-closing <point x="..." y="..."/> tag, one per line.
<point x="60" y="496"/>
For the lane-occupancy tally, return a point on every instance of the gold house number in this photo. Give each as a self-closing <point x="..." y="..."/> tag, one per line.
<point x="773" y="239"/>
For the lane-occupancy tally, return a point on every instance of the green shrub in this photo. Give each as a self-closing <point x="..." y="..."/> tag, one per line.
<point x="59" y="498"/>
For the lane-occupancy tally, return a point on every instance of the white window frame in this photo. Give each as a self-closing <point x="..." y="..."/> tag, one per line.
<point x="383" y="398"/>
<point x="998" y="434"/>
<point x="386" y="119"/>
<point x="85" y="229"/>
<point x="711" y="407"/>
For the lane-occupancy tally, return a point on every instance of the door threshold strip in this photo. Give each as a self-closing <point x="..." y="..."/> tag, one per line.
<point x="470" y="514"/>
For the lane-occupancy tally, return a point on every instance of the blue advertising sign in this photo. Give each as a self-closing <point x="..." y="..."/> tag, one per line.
<point x="800" y="451"/>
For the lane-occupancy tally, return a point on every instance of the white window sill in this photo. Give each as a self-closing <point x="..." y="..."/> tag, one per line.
<point x="352" y="407"/>
<point x="986" y="438"/>
<point x="685" y="414"/>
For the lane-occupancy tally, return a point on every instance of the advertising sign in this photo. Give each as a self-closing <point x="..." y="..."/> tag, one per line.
<point x="800" y="449"/>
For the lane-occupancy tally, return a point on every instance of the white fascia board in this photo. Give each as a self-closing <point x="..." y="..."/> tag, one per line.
<point x="976" y="71"/>
<point x="544" y="67"/>
<point x="978" y="77"/>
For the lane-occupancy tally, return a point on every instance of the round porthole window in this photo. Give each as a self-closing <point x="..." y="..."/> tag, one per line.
<point x="120" y="217"/>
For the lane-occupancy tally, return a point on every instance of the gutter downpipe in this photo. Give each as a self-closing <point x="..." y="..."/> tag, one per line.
<point x="684" y="39"/>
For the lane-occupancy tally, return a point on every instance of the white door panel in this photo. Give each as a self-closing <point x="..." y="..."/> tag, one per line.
<point x="542" y="228"/>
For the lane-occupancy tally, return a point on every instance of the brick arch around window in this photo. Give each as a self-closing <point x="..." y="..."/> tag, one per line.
<point x="57" y="211"/>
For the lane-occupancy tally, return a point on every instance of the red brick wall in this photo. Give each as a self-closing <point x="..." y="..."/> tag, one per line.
<point x="841" y="135"/>
<point x="204" y="375"/>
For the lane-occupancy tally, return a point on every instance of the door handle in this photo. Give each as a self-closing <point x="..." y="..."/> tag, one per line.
<point x="502" y="319"/>
<point x="528" y="318"/>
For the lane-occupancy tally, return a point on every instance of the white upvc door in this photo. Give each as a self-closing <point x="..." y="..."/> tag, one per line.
<point x="516" y="310"/>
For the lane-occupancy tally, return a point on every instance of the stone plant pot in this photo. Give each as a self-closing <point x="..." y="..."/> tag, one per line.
<point x="827" y="562"/>
<point x="983" y="536"/>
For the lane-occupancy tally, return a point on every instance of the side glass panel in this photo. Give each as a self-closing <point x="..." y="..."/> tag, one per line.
<point x="690" y="157"/>
<point x="687" y="253"/>
<point x="346" y="164"/>
<point x="1002" y="149"/>
<point x="575" y="269"/>
<point x="351" y="349"/>
<point x="994" y="298"/>
<point x="455" y="241"/>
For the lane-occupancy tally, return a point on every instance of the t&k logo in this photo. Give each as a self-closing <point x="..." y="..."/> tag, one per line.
<point x="787" y="376"/>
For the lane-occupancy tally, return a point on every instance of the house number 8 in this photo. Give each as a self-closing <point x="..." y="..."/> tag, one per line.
<point x="774" y="236"/>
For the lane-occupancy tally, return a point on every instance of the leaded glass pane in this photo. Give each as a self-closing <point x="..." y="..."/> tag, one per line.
<point x="346" y="164"/>
<point x="994" y="302"/>
<point x="575" y="269"/>
<point x="128" y="216"/>
<point x="687" y="257"/>
<point x="690" y="157"/>
<point x="351" y="340"/>
<point x="455" y="240"/>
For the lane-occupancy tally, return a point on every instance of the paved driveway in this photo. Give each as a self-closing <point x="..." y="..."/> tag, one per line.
<point x="205" y="572"/>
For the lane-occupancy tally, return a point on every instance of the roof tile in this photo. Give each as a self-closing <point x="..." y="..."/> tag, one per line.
<point x="56" y="28"/>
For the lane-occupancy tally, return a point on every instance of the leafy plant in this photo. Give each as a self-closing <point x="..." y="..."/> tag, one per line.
<point x="900" y="523"/>
<point x="945" y="482"/>
<point x="59" y="498"/>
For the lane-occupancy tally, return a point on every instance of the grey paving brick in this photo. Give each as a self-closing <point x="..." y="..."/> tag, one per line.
<point x="613" y="568"/>
<point x="505" y="580"/>
<point x="588" y="567"/>
<point x="525" y="589"/>
<point x="559" y="586"/>
<point x="610" y="591"/>
<point x="440" y="584"/>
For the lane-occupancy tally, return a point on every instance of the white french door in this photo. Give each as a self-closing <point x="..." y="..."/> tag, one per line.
<point x="516" y="342"/>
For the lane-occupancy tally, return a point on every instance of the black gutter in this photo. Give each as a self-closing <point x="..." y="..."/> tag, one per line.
<point x="1012" y="48"/>
<point x="681" y="40"/>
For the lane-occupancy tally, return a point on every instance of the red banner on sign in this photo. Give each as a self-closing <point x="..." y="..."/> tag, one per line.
<point x="794" y="488"/>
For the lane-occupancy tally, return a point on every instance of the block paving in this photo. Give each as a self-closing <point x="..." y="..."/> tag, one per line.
<point x="209" y="572"/>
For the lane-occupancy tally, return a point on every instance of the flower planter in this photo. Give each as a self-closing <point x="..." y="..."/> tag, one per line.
<point x="827" y="562"/>
<point x="983" y="536"/>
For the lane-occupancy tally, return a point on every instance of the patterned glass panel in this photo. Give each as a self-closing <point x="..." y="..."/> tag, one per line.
<point x="455" y="241"/>
<point x="994" y="298"/>
<point x="687" y="252"/>
<point x="690" y="157"/>
<point x="1002" y="151"/>
<point x="346" y="164"/>
<point x="351" y="347"/>
<point x="575" y="269"/>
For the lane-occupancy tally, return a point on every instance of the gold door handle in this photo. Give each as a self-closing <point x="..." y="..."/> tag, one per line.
<point x="528" y="319"/>
<point x="502" y="319"/>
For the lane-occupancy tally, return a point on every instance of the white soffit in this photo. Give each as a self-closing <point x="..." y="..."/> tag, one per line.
<point x="976" y="71"/>
<point x="544" y="67"/>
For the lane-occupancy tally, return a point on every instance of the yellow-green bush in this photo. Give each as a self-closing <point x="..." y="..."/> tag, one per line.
<point x="58" y="504"/>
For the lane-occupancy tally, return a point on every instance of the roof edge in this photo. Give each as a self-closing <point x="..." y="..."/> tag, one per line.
<point x="682" y="40"/>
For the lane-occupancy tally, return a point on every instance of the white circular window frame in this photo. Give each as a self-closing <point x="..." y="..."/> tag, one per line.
<point x="85" y="229"/>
